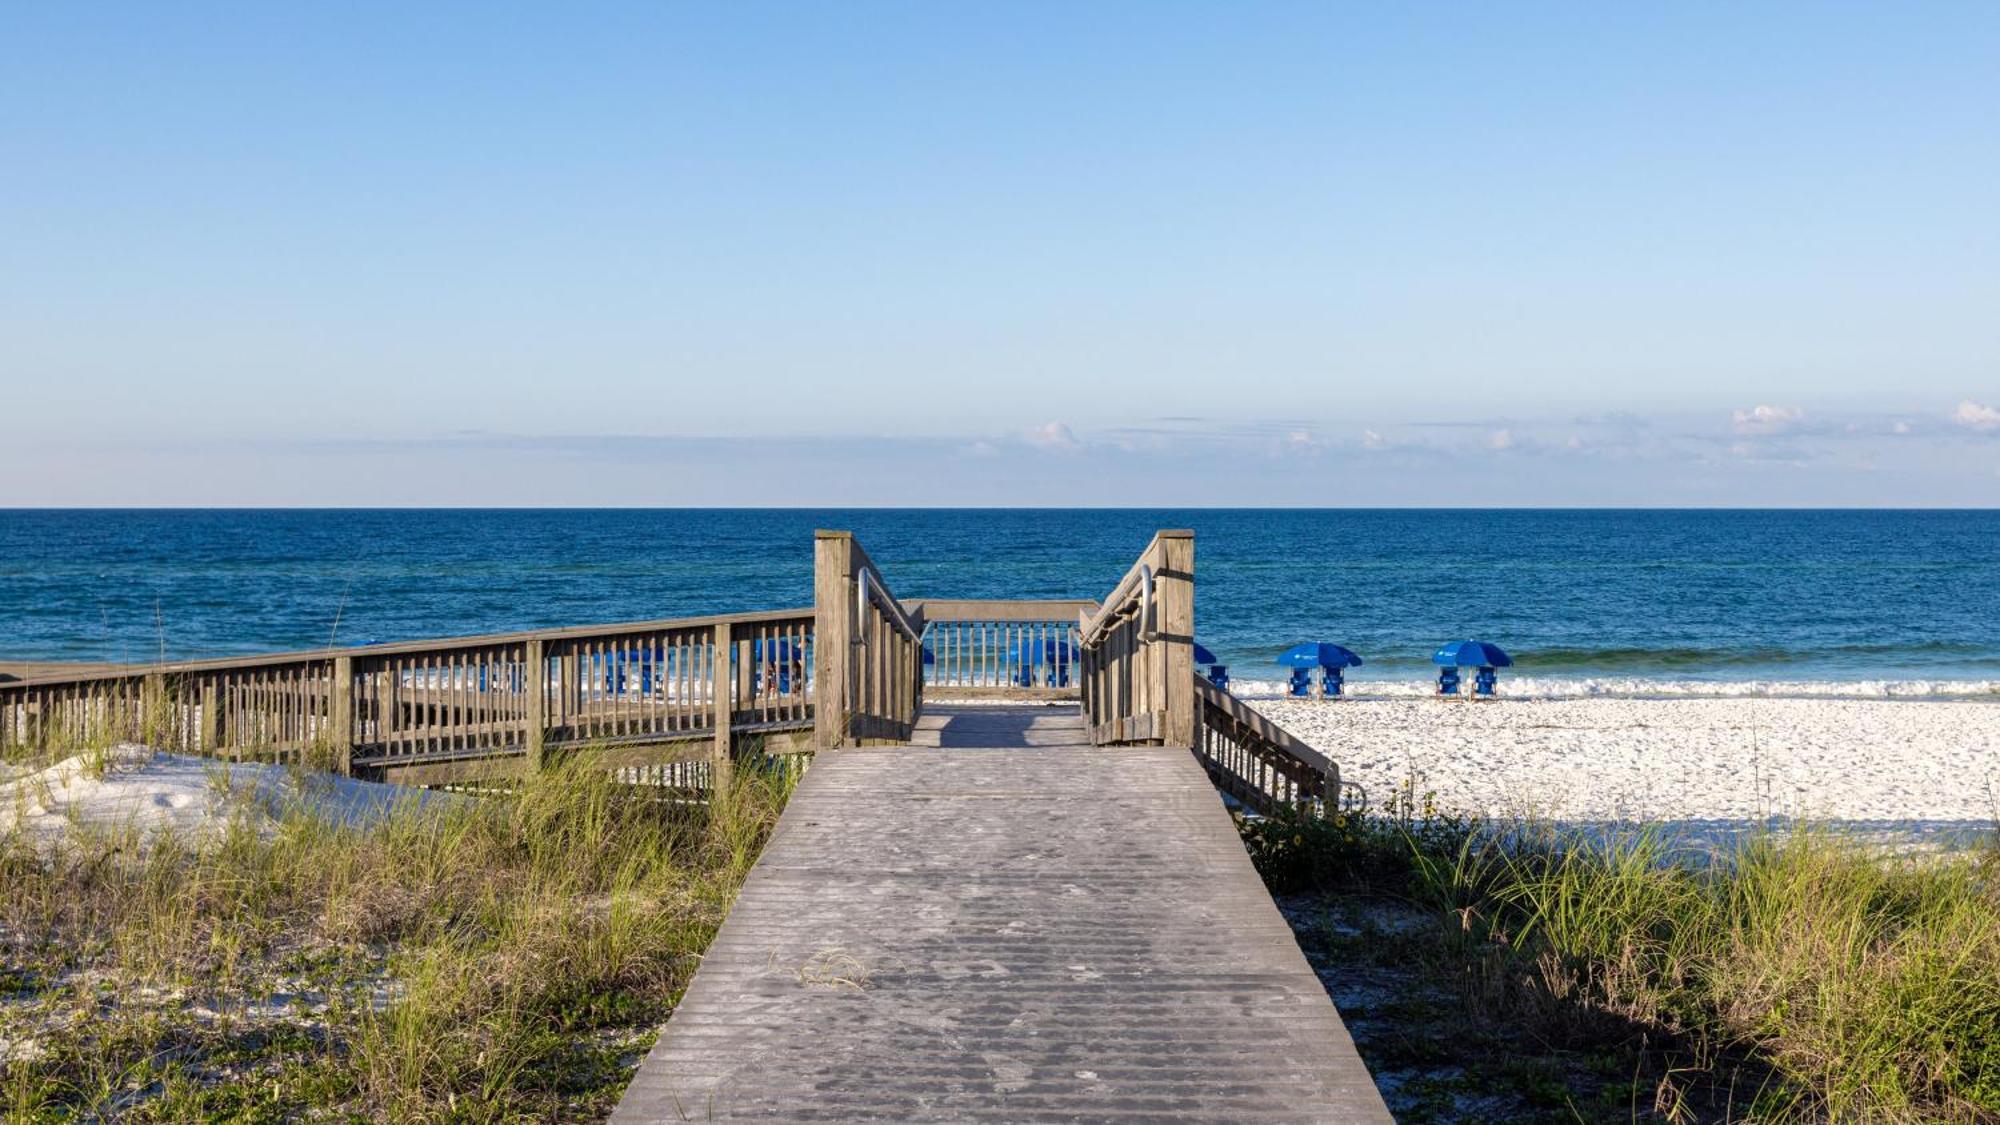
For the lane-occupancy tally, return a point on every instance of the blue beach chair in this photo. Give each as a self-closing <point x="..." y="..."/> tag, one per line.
<point x="1218" y="673"/>
<point x="782" y="659"/>
<point x="1330" y="681"/>
<point x="1044" y="660"/>
<point x="1482" y="656"/>
<point x="1326" y="656"/>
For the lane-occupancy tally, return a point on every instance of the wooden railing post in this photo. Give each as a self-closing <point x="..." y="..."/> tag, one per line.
<point x="1173" y="585"/>
<point x="722" y="695"/>
<point x="833" y="635"/>
<point x="209" y="738"/>
<point x="149" y="711"/>
<point x="535" y="681"/>
<point x="340" y="714"/>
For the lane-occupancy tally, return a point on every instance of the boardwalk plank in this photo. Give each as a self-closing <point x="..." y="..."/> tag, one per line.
<point x="982" y="929"/>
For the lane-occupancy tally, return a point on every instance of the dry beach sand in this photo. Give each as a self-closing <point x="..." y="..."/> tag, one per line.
<point x="1928" y="768"/>
<point x="131" y="787"/>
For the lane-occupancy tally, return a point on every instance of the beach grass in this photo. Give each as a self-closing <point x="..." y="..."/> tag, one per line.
<point x="1801" y="976"/>
<point x="501" y="957"/>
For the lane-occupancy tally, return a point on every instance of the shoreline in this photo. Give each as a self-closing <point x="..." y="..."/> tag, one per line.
<point x="1529" y="687"/>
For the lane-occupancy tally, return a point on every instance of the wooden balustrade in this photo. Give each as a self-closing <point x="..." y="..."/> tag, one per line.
<point x="868" y="662"/>
<point x="1138" y="650"/>
<point x="420" y="711"/>
<point x="671" y="699"/>
<point x="1257" y="761"/>
<point x="993" y="649"/>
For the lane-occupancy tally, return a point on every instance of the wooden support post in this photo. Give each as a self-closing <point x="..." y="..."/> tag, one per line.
<point x="535" y="681"/>
<point x="722" y="697"/>
<point x="340" y="712"/>
<point x="833" y="635"/>
<point x="1174" y="663"/>
<point x="210" y="737"/>
<point x="149" y="711"/>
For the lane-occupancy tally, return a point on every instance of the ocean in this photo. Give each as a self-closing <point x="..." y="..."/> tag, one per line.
<point x="1588" y="601"/>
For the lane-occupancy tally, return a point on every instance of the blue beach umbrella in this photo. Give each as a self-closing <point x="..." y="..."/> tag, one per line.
<point x="1203" y="656"/>
<point x="1472" y="654"/>
<point x="1321" y="655"/>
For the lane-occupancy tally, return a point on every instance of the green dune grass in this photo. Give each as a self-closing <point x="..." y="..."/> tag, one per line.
<point x="1803" y="976"/>
<point x="505" y="957"/>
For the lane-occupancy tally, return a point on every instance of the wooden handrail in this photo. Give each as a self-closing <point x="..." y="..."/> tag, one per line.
<point x="1255" y="760"/>
<point x="868" y="652"/>
<point x="399" y="648"/>
<point x="1065" y="610"/>
<point x="503" y="698"/>
<point x="868" y="582"/>
<point x="1280" y="739"/>
<point x="992" y="648"/>
<point x="1140" y="579"/>
<point x="1138" y="650"/>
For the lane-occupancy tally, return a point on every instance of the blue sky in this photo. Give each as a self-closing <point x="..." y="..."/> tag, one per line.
<point x="997" y="254"/>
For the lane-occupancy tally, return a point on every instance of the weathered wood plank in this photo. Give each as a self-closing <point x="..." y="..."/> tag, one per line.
<point x="948" y="934"/>
<point x="833" y="633"/>
<point x="933" y="610"/>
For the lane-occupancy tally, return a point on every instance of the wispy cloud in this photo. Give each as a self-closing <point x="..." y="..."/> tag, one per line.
<point x="1977" y="416"/>
<point x="1765" y="421"/>
<point x="1056" y="436"/>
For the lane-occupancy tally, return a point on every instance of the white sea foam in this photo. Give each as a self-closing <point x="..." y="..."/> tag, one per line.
<point x="1639" y="687"/>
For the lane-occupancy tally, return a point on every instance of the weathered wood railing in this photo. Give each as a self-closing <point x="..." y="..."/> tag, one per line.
<point x="1138" y="650"/>
<point x="1001" y="649"/>
<point x="868" y="664"/>
<point x="455" y="709"/>
<point x="1255" y="760"/>
<point x="1139" y="686"/>
<point x="681" y="695"/>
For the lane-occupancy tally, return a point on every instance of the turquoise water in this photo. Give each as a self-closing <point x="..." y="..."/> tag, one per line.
<point x="1598" y="600"/>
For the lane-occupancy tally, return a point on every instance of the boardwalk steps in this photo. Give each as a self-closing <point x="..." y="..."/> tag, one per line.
<point x="1003" y="922"/>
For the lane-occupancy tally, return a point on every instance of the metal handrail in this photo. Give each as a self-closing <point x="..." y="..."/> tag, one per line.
<point x="887" y="602"/>
<point x="1114" y="606"/>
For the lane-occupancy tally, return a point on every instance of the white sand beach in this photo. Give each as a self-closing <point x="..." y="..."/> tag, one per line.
<point x="1924" y="767"/>
<point x="132" y="787"/>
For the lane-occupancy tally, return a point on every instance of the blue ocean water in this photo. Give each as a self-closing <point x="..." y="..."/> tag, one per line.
<point x="1602" y="600"/>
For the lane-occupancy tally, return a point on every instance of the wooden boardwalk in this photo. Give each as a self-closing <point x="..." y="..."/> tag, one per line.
<point x="1002" y="922"/>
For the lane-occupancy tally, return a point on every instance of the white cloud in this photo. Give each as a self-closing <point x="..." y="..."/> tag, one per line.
<point x="1500" y="440"/>
<point x="1302" y="443"/>
<point x="1372" y="440"/>
<point x="1054" y="435"/>
<point x="1976" y="416"/>
<point x="1900" y="428"/>
<point x="1763" y="419"/>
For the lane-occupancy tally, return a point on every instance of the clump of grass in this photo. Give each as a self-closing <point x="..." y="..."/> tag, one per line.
<point x="1854" y="983"/>
<point x="500" y="957"/>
